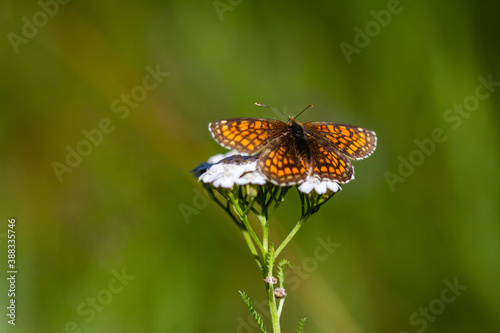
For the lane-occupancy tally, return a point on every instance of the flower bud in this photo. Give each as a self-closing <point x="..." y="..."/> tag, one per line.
<point x="280" y="292"/>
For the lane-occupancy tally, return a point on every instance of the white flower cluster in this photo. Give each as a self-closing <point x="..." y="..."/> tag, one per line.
<point x="227" y="170"/>
<point x="230" y="169"/>
<point x="318" y="185"/>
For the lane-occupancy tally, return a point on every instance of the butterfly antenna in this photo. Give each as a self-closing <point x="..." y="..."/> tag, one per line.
<point x="258" y="104"/>
<point x="308" y="107"/>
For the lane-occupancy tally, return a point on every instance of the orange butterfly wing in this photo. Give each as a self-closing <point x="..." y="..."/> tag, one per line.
<point x="281" y="163"/>
<point x="356" y="142"/>
<point x="246" y="135"/>
<point x="328" y="162"/>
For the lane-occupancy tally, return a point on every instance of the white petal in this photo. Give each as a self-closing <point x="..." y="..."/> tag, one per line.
<point x="225" y="182"/>
<point x="254" y="177"/>
<point x="306" y="187"/>
<point x="333" y="186"/>
<point x="320" y="188"/>
<point x="251" y="166"/>
<point x="214" y="172"/>
<point x="318" y="185"/>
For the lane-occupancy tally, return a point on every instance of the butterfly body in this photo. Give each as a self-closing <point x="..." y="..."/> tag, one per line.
<point x="293" y="151"/>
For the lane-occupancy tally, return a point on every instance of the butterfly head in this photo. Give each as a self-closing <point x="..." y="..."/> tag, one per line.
<point x="294" y="128"/>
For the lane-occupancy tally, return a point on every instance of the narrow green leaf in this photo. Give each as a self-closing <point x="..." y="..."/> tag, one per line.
<point x="281" y="272"/>
<point x="256" y="316"/>
<point x="270" y="258"/>
<point x="301" y="325"/>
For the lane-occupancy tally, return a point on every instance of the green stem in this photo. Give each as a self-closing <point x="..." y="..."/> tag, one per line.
<point x="277" y="203"/>
<point x="265" y="219"/>
<point x="252" y="248"/>
<point x="290" y="235"/>
<point x="249" y="206"/>
<point x="243" y="217"/>
<point x="280" y="307"/>
<point x="253" y="234"/>
<point x="242" y="204"/>
<point x="226" y="208"/>
<point x="243" y="228"/>
<point x="275" y="318"/>
<point x="265" y="232"/>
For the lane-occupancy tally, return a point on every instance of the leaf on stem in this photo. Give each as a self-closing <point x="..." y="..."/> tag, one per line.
<point x="281" y="271"/>
<point x="270" y="259"/>
<point x="301" y="325"/>
<point x="256" y="316"/>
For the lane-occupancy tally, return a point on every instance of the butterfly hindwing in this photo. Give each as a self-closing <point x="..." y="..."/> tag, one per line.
<point x="328" y="162"/>
<point x="280" y="162"/>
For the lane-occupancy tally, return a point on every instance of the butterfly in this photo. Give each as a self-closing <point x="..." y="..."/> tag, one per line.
<point x="293" y="151"/>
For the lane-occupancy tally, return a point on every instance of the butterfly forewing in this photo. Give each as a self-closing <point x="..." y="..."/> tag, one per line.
<point x="356" y="142"/>
<point x="246" y="135"/>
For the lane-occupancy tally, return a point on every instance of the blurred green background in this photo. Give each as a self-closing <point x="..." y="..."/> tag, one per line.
<point x="401" y="231"/>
